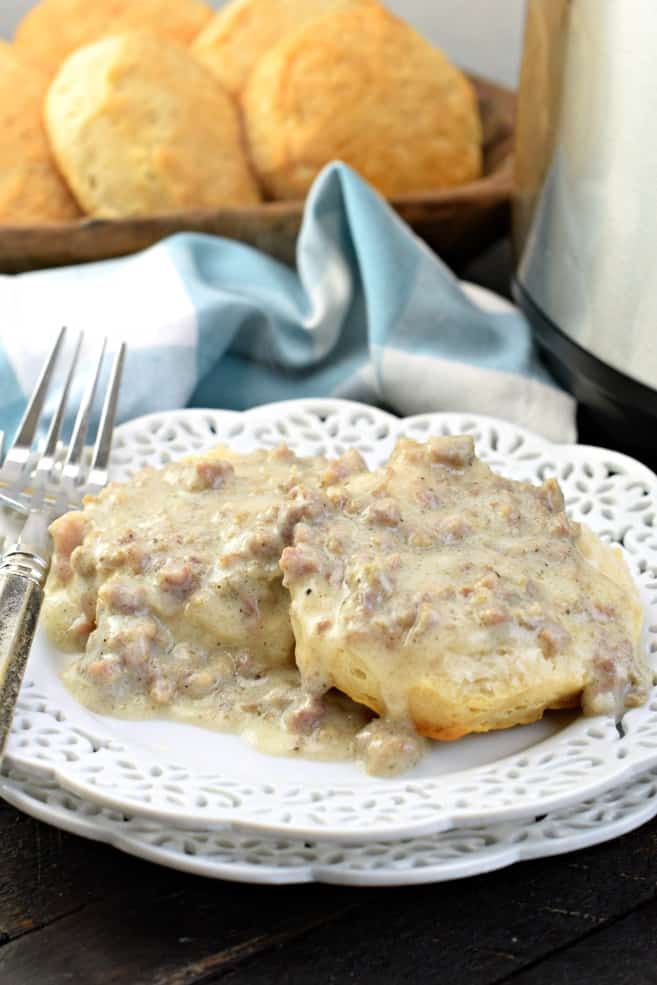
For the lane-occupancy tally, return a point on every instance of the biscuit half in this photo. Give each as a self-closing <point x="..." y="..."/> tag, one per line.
<point x="436" y="591"/>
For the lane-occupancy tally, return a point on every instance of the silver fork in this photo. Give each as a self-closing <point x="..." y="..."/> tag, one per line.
<point x="42" y="483"/>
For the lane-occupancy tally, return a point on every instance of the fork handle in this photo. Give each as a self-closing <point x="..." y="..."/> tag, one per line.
<point x="22" y="577"/>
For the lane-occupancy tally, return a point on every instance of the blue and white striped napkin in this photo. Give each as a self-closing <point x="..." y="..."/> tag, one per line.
<point x="369" y="314"/>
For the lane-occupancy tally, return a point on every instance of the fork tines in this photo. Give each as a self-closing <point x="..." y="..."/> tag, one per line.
<point x="48" y="469"/>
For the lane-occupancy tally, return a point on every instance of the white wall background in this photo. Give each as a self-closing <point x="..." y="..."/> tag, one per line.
<point x="482" y="35"/>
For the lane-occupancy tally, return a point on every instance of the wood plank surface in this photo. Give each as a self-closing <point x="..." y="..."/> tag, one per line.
<point x="478" y="931"/>
<point x="622" y="954"/>
<point x="75" y="911"/>
<point x="46" y="874"/>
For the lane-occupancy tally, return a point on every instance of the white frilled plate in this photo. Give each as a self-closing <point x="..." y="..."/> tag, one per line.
<point x="241" y="857"/>
<point x="189" y="777"/>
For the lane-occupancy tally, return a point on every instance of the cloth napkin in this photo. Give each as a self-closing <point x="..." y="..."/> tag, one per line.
<point x="369" y="314"/>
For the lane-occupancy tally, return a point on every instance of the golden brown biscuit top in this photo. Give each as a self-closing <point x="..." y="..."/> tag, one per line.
<point x="139" y="127"/>
<point x="360" y="85"/>
<point x="243" y="30"/>
<point x="54" y="28"/>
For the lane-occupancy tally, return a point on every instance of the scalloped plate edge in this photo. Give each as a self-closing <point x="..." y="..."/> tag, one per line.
<point x="440" y="820"/>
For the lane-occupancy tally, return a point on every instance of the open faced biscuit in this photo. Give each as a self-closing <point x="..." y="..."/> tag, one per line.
<point x="437" y="591"/>
<point x="52" y="29"/>
<point x="177" y="571"/>
<point x="31" y="188"/>
<point x="361" y="86"/>
<point x="236" y="37"/>
<point x="139" y="127"/>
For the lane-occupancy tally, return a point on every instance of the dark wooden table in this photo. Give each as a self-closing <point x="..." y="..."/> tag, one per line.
<point x="73" y="912"/>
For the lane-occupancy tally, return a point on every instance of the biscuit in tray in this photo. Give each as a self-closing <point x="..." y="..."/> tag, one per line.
<point x="52" y="29"/>
<point x="437" y="591"/>
<point x="139" y="127"/>
<point x="361" y="86"/>
<point x="240" y="32"/>
<point x="31" y="188"/>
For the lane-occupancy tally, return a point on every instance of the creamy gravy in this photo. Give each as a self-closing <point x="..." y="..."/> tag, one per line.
<point x="437" y="591"/>
<point x="430" y="577"/>
<point x="271" y="710"/>
<point x="172" y="585"/>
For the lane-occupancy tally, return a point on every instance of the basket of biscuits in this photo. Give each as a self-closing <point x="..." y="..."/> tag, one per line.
<point x="124" y="121"/>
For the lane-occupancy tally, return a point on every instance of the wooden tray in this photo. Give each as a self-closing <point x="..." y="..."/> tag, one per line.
<point x="458" y="223"/>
